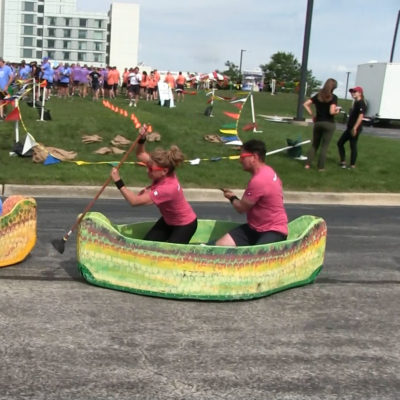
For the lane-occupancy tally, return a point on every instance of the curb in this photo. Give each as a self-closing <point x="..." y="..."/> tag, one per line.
<point x="212" y="195"/>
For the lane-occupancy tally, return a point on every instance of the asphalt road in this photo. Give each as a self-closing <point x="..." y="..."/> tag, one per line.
<point x="61" y="338"/>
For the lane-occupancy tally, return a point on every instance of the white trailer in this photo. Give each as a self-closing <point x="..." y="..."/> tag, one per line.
<point x="381" y="84"/>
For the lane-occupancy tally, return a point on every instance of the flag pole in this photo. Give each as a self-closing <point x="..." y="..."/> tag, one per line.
<point x="253" y="115"/>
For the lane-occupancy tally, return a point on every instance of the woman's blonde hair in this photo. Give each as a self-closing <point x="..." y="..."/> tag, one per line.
<point x="168" y="158"/>
<point x="326" y="93"/>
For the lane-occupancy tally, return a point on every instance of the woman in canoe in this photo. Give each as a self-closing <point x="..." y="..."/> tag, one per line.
<point x="178" y="221"/>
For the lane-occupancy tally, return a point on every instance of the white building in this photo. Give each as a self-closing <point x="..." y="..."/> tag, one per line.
<point x="33" y="29"/>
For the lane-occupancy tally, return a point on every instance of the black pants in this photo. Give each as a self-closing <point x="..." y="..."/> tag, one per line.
<point x="243" y="235"/>
<point x="347" y="136"/>
<point x="162" y="232"/>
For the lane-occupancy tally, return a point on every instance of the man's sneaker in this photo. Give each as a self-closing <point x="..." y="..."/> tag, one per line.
<point x="343" y="165"/>
<point x="130" y="104"/>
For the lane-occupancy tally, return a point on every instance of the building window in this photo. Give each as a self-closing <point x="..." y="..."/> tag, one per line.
<point x="28" y="30"/>
<point x="51" y="54"/>
<point x="66" y="44"/>
<point x="81" y="56"/>
<point x="51" y="44"/>
<point x="52" y="21"/>
<point x="82" y="46"/>
<point x="27" y="53"/>
<point x="40" y="9"/>
<point x="40" y="31"/>
<point x="67" y="21"/>
<point x="52" y="32"/>
<point x="28" y="18"/>
<point x="28" y="6"/>
<point x="67" y="33"/>
<point x="97" y="58"/>
<point x="39" y="43"/>
<point x="98" y="35"/>
<point x="66" y="55"/>
<point x="27" y="41"/>
<point x="40" y="20"/>
<point x="97" y="46"/>
<point x="99" y="23"/>
<point x="83" y="22"/>
<point x="82" y="34"/>
<point x="39" y="53"/>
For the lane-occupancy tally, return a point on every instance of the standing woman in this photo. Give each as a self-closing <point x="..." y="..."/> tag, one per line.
<point x="178" y="221"/>
<point x="325" y="104"/>
<point x="354" y="127"/>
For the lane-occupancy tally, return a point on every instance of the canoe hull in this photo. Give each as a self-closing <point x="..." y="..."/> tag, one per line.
<point x="115" y="257"/>
<point x="18" y="232"/>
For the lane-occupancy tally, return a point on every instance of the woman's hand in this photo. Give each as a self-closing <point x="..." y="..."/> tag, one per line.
<point x="115" y="174"/>
<point x="143" y="131"/>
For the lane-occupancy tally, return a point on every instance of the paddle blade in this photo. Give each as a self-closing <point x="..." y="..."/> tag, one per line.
<point x="59" y="245"/>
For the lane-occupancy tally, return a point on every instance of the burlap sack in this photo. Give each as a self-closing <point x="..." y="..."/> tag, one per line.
<point x="61" y="154"/>
<point x="153" y="137"/>
<point x="103" y="150"/>
<point x="91" y="139"/>
<point x="120" y="140"/>
<point x="40" y="153"/>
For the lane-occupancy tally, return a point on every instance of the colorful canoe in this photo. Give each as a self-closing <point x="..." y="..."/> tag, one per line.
<point x="115" y="257"/>
<point x="17" y="229"/>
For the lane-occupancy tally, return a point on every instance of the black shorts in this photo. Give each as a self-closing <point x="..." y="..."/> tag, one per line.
<point x="134" y="89"/>
<point x="243" y="235"/>
<point x="162" y="232"/>
<point x="179" y="88"/>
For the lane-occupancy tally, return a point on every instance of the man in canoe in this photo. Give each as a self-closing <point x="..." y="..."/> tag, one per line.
<point x="178" y="221"/>
<point x="262" y="202"/>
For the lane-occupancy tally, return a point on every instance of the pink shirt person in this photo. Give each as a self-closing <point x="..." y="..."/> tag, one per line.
<point x="265" y="191"/>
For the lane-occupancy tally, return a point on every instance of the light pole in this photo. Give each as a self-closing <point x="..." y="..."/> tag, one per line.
<point x="240" y="65"/>
<point x="347" y="85"/>
<point x="306" y="44"/>
<point x="394" y="36"/>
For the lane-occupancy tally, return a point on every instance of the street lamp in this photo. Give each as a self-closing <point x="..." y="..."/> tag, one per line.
<point x="303" y="75"/>
<point x="394" y="37"/>
<point x="347" y="85"/>
<point x="241" y="57"/>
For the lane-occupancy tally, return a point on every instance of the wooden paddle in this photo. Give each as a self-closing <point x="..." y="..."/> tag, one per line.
<point x="59" y="244"/>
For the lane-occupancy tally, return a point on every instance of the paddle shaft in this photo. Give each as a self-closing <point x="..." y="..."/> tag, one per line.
<point x="105" y="184"/>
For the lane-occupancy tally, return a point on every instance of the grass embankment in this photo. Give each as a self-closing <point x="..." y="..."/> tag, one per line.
<point x="186" y="126"/>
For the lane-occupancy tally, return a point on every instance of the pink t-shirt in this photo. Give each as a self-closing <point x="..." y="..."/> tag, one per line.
<point x="264" y="190"/>
<point x="168" y="196"/>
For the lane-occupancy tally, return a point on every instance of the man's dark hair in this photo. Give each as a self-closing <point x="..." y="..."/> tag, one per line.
<point x="255" y="146"/>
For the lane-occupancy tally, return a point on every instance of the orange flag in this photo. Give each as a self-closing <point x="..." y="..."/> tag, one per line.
<point x="232" y="115"/>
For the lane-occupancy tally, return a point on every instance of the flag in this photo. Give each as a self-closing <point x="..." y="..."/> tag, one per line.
<point x="30" y="142"/>
<point x="14" y="115"/>
<point x="232" y="115"/>
<point x="229" y="126"/>
<point x="249" y="126"/>
<point x="51" y="160"/>
<point x="229" y="131"/>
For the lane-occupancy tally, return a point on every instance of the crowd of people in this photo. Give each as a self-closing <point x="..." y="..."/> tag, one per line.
<point x="66" y="80"/>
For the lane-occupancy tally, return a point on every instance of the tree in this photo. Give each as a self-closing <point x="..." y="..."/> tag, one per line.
<point x="232" y="71"/>
<point x="285" y="68"/>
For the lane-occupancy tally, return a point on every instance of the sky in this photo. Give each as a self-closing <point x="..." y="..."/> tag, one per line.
<point x="201" y="35"/>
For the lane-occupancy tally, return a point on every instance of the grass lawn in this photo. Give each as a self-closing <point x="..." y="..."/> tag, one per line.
<point x="186" y="126"/>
